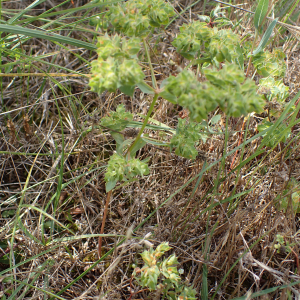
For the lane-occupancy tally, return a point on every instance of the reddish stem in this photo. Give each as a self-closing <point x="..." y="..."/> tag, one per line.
<point x="297" y="260"/>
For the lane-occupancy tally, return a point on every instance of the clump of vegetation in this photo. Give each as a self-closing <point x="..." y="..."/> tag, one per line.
<point x="162" y="276"/>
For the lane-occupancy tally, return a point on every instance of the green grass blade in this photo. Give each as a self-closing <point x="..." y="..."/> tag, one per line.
<point x="39" y="289"/>
<point x="80" y="237"/>
<point x="19" y="15"/>
<point x="35" y="274"/>
<point x="265" y="37"/>
<point x="29" y="260"/>
<point x="48" y="216"/>
<point x="260" y="13"/>
<point x="267" y="291"/>
<point x="66" y="11"/>
<point x="47" y="36"/>
<point x="204" y="293"/>
<point x="295" y="4"/>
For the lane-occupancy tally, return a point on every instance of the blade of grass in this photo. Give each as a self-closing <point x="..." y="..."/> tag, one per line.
<point x="267" y="291"/>
<point x="35" y="274"/>
<point x="39" y="59"/>
<point x="48" y="216"/>
<point x="67" y="11"/>
<point x="260" y="13"/>
<point x="39" y="289"/>
<point x="265" y="37"/>
<point x="295" y="4"/>
<point x="20" y="14"/>
<point x="29" y="260"/>
<point x="46" y="36"/>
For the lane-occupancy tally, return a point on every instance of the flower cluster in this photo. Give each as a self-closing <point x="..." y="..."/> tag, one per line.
<point x="227" y="88"/>
<point x="116" y="66"/>
<point x="120" y="169"/>
<point x="198" y="40"/>
<point x="163" y="275"/>
<point x="187" y="134"/>
<point x="117" y="120"/>
<point x="136" y="17"/>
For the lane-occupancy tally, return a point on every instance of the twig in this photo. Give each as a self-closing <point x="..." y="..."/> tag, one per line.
<point x="297" y="260"/>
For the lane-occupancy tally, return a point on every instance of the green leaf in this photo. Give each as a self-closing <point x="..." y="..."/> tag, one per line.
<point x="266" y="37"/>
<point x="260" y="13"/>
<point x="110" y="185"/>
<point x="270" y="63"/>
<point x="215" y="119"/>
<point x="140" y="144"/>
<point x="122" y="147"/>
<point x="118" y="137"/>
<point x="155" y="143"/>
<point x="168" y="96"/>
<point x="117" y="120"/>
<point x="127" y="90"/>
<point x="204" y="294"/>
<point x="145" y="88"/>
<point x="23" y="11"/>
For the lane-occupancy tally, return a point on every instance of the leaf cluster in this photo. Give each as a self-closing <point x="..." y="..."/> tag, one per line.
<point x="233" y="93"/>
<point x="187" y="134"/>
<point x="118" y="120"/>
<point x="283" y="244"/>
<point x="274" y="89"/>
<point x="270" y="63"/>
<point x="162" y="275"/>
<point x="120" y="169"/>
<point x="211" y="45"/>
<point x="227" y="88"/>
<point x="117" y="65"/>
<point x="136" y="18"/>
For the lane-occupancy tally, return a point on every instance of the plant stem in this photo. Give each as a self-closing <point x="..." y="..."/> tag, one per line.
<point x="152" y="104"/>
<point x="144" y="124"/>
<point x="133" y="144"/>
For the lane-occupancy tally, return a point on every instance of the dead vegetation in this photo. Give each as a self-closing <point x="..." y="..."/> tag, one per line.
<point x="52" y="194"/>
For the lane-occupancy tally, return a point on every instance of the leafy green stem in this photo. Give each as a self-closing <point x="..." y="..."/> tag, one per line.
<point x="144" y="123"/>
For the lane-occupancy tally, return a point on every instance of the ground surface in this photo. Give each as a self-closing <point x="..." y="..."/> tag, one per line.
<point x="45" y="114"/>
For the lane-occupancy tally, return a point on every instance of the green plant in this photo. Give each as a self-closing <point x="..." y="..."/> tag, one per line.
<point x="290" y="197"/>
<point x="219" y="56"/>
<point x="197" y="41"/>
<point x="227" y="88"/>
<point x="280" y="134"/>
<point x="282" y="244"/>
<point x="162" y="275"/>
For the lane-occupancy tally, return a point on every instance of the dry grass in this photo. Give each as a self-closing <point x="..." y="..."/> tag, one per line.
<point x="212" y="221"/>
